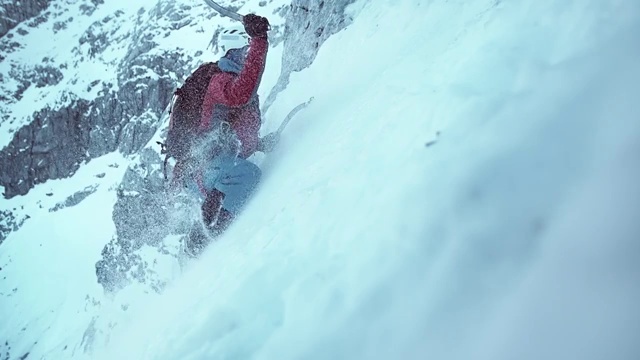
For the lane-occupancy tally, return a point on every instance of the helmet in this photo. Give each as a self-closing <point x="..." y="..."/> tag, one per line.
<point x="232" y="38"/>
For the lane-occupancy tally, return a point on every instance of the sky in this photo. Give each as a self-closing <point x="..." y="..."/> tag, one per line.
<point x="464" y="185"/>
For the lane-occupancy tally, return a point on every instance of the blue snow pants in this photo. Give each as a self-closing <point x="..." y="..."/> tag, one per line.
<point x="236" y="178"/>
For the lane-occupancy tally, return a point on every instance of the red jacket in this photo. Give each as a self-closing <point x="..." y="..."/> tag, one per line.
<point x="235" y="91"/>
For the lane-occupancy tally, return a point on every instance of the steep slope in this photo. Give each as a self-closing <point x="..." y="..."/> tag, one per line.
<point x="497" y="240"/>
<point x="463" y="186"/>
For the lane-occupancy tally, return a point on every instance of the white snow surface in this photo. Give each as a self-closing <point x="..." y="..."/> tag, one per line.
<point x="464" y="186"/>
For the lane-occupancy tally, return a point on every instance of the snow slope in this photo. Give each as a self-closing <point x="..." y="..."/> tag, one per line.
<point x="465" y="185"/>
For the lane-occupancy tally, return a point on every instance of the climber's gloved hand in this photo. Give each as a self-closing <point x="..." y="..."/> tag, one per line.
<point x="256" y="26"/>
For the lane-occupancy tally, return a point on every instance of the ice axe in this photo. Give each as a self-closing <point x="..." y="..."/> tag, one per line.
<point x="272" y="139"/>
<point x="224" y="11"/>
<point x="291" y="114"/>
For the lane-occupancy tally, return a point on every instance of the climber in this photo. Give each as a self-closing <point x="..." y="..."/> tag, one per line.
<point x="215" y="166"/>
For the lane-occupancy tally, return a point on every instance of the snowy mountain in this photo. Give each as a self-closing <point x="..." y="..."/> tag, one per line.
<point x="464" y="184"/>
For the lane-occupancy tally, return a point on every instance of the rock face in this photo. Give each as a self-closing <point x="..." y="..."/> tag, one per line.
<point x="309" y="23"/>
<point x="50" y="147"/>
<point x="58" y="140"/>
<point x="13" y="13"/>
<point x="75" y="199"/>
<point x="122" y="117"/>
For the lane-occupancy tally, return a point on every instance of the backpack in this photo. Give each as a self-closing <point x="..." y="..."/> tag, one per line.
<point x="185" y="114"/>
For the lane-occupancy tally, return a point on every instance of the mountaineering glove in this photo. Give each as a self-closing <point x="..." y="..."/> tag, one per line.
<point x="256" y="26"/>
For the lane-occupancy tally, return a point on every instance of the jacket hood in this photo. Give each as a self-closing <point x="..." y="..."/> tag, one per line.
<point x="233" y="60"/>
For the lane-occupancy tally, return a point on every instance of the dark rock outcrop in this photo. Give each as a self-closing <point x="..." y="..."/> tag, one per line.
<point x="13" y="13"/>
<point x="51" y="147"/>
<point x="75" y="199"/>
<point x="9" y="223"/>
<point x="59" y="139"/>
